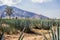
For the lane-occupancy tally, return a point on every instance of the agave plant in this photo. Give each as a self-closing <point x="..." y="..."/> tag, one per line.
<point x="55" y="34"/>
<point x="21" y="34"/>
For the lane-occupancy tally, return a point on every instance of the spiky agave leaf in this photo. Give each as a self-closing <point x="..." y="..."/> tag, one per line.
<point x="21" y="35"/>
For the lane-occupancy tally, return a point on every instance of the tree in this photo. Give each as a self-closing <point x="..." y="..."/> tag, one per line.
<point x="9" y="11"/>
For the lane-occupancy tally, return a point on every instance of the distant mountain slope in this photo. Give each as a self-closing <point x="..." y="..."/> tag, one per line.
<point x="21" y="13"/>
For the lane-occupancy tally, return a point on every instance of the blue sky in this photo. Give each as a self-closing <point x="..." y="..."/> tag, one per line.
<point x="49" y="8"/>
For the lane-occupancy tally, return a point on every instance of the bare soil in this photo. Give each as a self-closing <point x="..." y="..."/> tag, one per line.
<point x="29" y="36"/>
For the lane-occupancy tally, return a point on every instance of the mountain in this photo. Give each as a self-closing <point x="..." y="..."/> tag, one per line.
<point x="21" y="13"/>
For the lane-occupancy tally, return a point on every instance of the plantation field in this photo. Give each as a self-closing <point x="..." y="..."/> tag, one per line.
<point x="33" y="28"/>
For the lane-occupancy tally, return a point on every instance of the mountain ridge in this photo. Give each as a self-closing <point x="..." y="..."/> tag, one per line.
<point x="21" y="13"/>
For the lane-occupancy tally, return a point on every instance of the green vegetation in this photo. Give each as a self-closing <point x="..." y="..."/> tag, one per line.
<point x="20" y="24"/>
<point x="55" y="34"/>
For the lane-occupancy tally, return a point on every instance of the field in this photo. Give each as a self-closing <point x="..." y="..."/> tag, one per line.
<point x="29" y="29"/>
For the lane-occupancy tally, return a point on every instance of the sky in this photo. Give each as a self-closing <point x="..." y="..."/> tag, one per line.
<point x="49" y="8"/>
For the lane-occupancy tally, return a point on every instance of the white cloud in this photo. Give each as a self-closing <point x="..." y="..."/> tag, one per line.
<point x="41" y="1"/>
<point x="9" y="2"/>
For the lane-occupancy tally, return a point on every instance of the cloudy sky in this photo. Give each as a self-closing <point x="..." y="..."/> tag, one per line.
<point x="49" y="8"/>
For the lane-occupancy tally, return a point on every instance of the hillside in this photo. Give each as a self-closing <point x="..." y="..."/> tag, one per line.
<point x="21" y="13"/>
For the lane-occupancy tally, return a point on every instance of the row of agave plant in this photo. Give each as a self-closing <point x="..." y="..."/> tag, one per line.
<point x="55" y="34"/>
<point x="21" y="33"/>
<point x="54" y="31"/>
